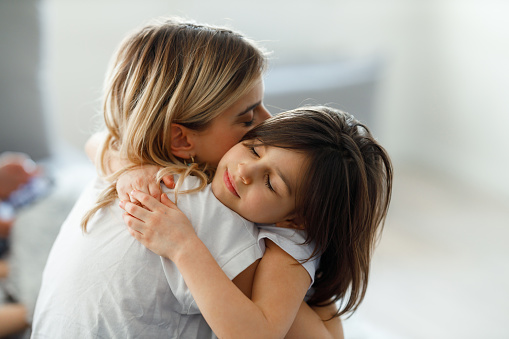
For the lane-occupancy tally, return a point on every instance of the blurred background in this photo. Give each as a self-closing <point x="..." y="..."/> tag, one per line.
<point x="429" y="77"/>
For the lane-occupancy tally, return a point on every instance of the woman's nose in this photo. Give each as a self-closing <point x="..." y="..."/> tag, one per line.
<point x="264" y="113"/>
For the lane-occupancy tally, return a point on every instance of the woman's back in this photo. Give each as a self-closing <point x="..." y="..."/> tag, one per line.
<point x="109" y="285"/>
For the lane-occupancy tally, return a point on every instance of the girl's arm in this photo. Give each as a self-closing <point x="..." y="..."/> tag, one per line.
<point x="313" y="322"/>
<point x="142" y="178"/>
<point x="278" y="288"/>
<point x="279" y="285"/>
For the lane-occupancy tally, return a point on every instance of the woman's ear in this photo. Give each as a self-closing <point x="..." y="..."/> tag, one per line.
<point x="182" y="143"/>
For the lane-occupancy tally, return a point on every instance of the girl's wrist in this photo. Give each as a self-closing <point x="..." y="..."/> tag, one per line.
<point x="189" y="248"/>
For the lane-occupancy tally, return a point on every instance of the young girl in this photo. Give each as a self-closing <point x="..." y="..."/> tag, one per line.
<point x="177" y="93"/>
<point x="314" y="169"/>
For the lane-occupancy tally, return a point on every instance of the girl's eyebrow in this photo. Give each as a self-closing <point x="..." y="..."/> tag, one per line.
<point x="253" y="106"/>
<point x="285" y="180"/>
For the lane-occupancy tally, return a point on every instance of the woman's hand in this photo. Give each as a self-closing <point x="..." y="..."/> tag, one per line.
<point x="142" y="179"/>
<point x="159" y="226"/>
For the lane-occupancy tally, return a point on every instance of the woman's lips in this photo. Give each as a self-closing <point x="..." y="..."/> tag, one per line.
<point x="228" y="180"/>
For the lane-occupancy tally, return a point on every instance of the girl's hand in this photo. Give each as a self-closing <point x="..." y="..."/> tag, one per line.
<point x="142" y="179"/>
<point x="159" y="226"/>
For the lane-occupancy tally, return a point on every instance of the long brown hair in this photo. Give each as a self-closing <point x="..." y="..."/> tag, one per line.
<point x="171" y="71"/>
<point x="343" y="198"/>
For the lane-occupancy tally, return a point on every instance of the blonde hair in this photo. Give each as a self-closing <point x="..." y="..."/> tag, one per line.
<point x="171" y="71"/>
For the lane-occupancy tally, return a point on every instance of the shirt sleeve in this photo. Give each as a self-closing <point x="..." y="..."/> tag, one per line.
<point x="291" y="241"/>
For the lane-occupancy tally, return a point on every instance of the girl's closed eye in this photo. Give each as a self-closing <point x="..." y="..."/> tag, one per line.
<point x="268" y="184"/>
<point x="253" y="150"/>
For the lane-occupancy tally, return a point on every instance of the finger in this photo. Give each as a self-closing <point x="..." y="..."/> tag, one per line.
<point x="133" y="223"/>
<point x="146" y="200"/>
<point x="166" y="201"/>
<point x="155" y="190"/>
<point x="135" y="233"/>
<point x="123" y="191"/>
<point x="169" y="181"/>
<point x="131" y="198"/>
<point x="123" y="196"/>
<point x="136" y="211"/>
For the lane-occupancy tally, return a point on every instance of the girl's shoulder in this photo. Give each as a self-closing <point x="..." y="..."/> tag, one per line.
<point x="190" y="183"/>
<point x="293" y="242"/>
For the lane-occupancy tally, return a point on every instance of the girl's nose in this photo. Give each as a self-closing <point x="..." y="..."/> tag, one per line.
<point x="245" y="173"/>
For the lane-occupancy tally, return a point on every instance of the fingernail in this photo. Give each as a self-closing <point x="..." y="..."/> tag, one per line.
<point x="133" y="191"/>
<point x="121" y="203"/>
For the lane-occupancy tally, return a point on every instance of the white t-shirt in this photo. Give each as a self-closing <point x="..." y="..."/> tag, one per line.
<point x="105" y="284"/>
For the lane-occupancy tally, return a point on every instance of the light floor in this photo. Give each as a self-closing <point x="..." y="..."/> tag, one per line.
<point x="441" y="269"/>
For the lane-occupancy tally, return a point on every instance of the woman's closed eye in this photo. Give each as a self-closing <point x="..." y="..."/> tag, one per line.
<point x="251" y="116"/>
<point x="249" y="123"/>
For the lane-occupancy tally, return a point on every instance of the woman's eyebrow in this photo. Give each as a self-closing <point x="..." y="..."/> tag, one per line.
<point x="253" y="106"/>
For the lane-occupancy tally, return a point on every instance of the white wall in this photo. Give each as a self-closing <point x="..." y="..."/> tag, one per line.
<point x="467" y="126"/>
<point x="453" y="100"/>
<point x="441" y="102"/>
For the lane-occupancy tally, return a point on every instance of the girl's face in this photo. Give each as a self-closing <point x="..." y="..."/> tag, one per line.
<point x="230" y="126"/>
<point x="259" y="182"/>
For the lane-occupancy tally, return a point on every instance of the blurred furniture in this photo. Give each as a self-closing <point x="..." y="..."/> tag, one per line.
<point x="349" y="85"/>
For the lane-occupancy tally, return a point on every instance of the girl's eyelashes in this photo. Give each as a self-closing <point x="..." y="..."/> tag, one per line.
<point x="253" y="150"/>
<point x="267" y="183"/>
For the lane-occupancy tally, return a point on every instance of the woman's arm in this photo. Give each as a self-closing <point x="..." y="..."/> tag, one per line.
<point x="112" y="159"/>
<point x="92" y="146"/>
<point x="279" y="285"/>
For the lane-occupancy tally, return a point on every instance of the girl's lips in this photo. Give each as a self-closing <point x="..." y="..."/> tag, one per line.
<point x="228" y="181"/>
